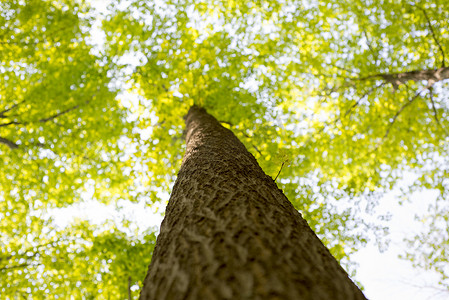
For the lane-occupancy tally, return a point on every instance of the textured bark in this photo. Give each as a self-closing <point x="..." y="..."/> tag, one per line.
<point x="230" y="233"/>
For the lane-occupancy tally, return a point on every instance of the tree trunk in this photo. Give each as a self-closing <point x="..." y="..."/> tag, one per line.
<point x="230" y="233"/>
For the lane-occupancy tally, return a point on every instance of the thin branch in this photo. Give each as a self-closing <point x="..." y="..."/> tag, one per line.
<point x="129" y="288"/>
<point x="326" y="125"/>
<point x="52" y="117"/>
<point x="257" y="149"/>
<point x="394" y="120"/>
<point x="435" y="111"/>
<point x="368" y="42"/>
<point x="18" y="266"/>
<point x="230" y="124"/>
<point x="398" y="113"/>
<point x="279" y="171"/>
<point x="33" y="249"/>
<point x="59" y="114"/>
<point x="8" y="143"/>
<point x="434" y="35"/>
<point x="2" y="113"/>
<point x="344" y="69"/>
<point x="10" y="123"/>
<point x="14" y="267"/>
<point x="226" y="122"/>
<point x="369" y="92"/>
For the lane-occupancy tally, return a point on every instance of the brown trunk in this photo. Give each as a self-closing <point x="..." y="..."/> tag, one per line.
<point x="230" y="233"/>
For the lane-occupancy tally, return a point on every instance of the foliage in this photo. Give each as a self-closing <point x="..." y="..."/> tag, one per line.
<point x="59" y="120"/>
<point x="82" y="261"/>
<point x="60" y="130"/>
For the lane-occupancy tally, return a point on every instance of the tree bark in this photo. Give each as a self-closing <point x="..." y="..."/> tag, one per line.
<point x="230" y="233"/>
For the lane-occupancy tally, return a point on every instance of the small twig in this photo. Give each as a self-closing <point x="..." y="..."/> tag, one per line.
<point x="59" y="114"/>
<point x="2" y="113"/>
<point x="230" y="124"/>
<point x="10" y="123"/>
<point x="335" y="121"/>
<point x="368" y="42"/>
<point x="8" y="143"/>
<point x="435" y="110"/>
<point x="434" y="36"/>
<point x="398" y="113"/>
<point x="129" y="288"/>
<point x="18" y="266"/>
<point x="226" y="122"/>
<point x="14" y="267"/>
<point x="394" y="120"/>
<point x="279" y="171"/>
<point x="347" y="70"/>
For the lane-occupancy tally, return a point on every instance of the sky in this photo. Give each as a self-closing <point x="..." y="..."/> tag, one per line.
<point x="384" y="275"/>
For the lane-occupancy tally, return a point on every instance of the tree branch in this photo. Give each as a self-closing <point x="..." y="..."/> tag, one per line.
<point x="33" y="249"/>
<point x="368" y="42"/>
<point x="8" y="143"/>
<point x="348" y="111"/>
<point x="255" y="148"/>
<point x="2" y="113"/>
<point x="396" y="79"/>
<point x="10" y="123"/>
<point x="279" y="171"/>
<point x="129" y="288"/>
<point x="394" y="120"/>
<point x="24" y="265"/>
<point x="435" y="111"/>
<point x="434" y="36"/>
<point x="398" y="113"/>
<point x="14" y="267"/>
<point x="59" y="114"/>
<point x="346" y="70"/>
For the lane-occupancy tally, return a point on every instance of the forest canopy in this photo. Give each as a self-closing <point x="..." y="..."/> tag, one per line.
<point x="337" y="100"/>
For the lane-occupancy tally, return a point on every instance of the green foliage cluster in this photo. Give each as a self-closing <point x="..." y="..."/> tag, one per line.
<point x="343" y="94"/>
<point x="83" y="261"/>
<point x="60" y="130"/>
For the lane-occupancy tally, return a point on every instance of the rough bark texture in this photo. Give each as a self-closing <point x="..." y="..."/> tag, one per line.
<point x="230" y="233"/>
